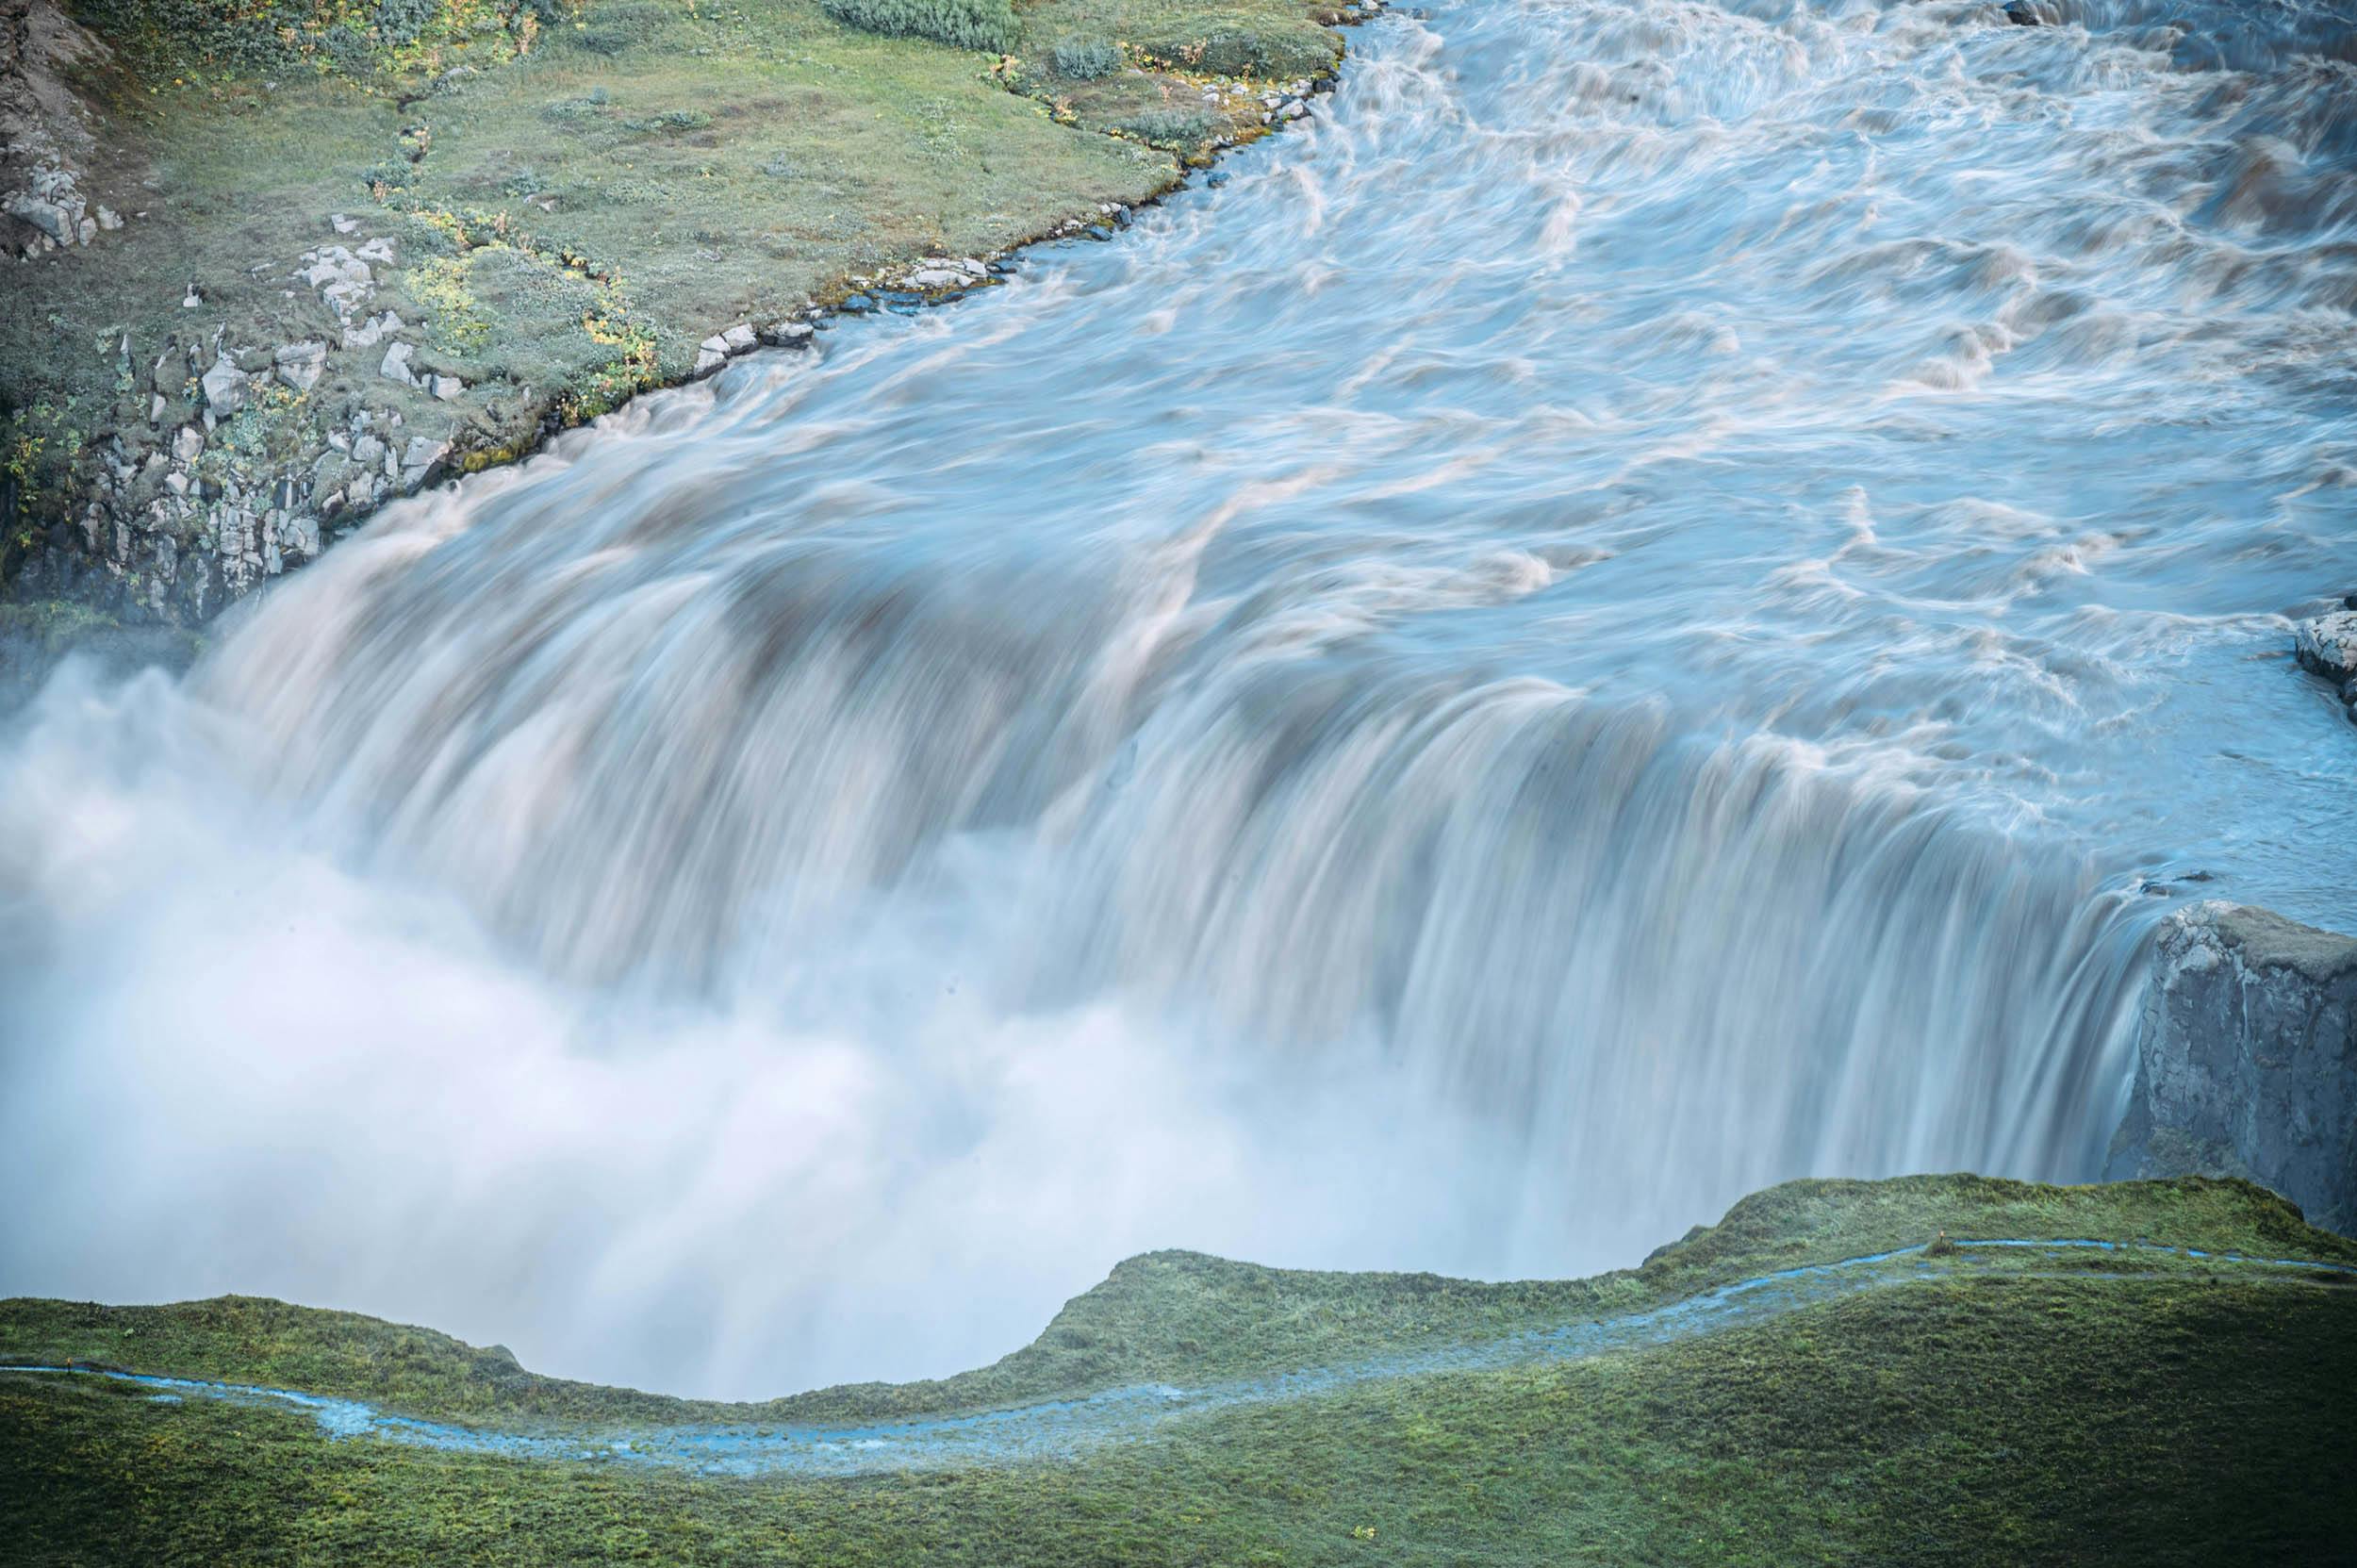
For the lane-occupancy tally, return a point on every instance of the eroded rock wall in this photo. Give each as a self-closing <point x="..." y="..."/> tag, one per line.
<point x="2247" y="1059"/>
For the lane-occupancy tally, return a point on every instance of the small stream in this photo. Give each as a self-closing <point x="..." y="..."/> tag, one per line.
<point x="1067" y="1427"/>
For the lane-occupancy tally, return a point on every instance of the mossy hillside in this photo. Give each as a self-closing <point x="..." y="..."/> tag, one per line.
<point x="1178" y="1317"/>
<point x="578" y="197"/>
<point x="1999" y="1419"/>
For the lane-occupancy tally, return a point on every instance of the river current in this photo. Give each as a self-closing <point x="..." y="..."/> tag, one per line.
<point x="1655" y="601"/>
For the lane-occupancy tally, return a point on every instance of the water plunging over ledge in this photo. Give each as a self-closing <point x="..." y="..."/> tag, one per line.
<point x="1622" y="618"/>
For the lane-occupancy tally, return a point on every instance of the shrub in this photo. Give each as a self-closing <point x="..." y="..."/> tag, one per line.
<point x="985" y="25"/>
<point x="1244" y="53"/>
<point x="350" y="36"/>
<point x="1169" y="124"/>
<point x="1084" y="60"/>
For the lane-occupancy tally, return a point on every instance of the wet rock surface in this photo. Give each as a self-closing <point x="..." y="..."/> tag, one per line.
<point x="2247" y="1059"/>
<point x="2327" y="646"/>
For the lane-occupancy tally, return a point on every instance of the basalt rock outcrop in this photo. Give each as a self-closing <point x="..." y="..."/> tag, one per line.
<point x="2247" y="1059"/>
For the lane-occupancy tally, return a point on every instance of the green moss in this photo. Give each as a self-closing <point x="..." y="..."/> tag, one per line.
<point x="1981" y="1417"/>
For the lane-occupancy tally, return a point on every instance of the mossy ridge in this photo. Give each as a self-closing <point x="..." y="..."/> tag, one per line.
<point x="1966" y="1420"/>
<point x="1170" y="1316"/>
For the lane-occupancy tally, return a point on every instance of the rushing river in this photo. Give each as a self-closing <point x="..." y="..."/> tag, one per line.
<point x="1632" y="612"/>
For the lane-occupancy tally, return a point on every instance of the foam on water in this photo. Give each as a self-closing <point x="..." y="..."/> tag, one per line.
<point x="1622" y="617"/>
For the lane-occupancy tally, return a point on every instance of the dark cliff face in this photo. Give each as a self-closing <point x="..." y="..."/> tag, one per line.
<point x="2247" y="1059"/>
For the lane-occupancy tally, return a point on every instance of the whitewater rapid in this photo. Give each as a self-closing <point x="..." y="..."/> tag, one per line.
<point x="1655" y="602"/>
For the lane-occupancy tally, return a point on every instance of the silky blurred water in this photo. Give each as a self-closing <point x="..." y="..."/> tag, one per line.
<point x="1653" y="602"/>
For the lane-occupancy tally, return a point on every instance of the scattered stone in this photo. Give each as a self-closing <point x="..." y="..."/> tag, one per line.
<point x="156" y="409"/>
<point x="188" y="444"/>
<point x="192" y="300"/>
<point x="367" y="452"/>
<point x="395" y="366"/>
<point x="939" y="277"/>
<point x="858" y="305"/>
<point x="784" y="334"/>
<point x="372" y="331"/>
<point x="342" y="224"/>
<point x="445" y="388"/>
<point x="739" y="337"/>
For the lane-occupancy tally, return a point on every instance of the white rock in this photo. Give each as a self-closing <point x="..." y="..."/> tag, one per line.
<point x="446" y="388"/>
<point x="787" y="333"/>
<point x="378" y="249"/>
<point x="156" y="409"/>
<point x="224" y="388"/>
<point x="192" y="301"/>
<point x="739" y="337"/>
<point x="396" y="365"/>
<point x="188" y="444"/>
<point x="709" y="359"/>
<point x="2328" y="645"/>
<point x="939" y="277"/>
<point x="367" y="451"/>
<point x="424" y="451"/>
<point x="343" y="224"/>
<point x="109" y="219"/>
<point x="299" y="365"/>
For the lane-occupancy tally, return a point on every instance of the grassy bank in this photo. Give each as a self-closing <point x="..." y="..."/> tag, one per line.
<point x="557" y="204"/>
<point x="2182" y="1414"/>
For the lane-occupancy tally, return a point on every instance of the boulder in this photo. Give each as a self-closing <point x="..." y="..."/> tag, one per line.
<point x="2328" y="645"/>
<point x="299" y="365"/>
<point x="223" y="387"/>
<point x="395" y="366"/>
<point x="2247" y="1059"/>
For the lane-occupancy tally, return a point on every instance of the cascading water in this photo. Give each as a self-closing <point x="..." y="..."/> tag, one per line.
<point x="1617" y="620"/>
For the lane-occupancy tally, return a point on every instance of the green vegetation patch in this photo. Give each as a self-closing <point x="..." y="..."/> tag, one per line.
<point x="987" y="25"/>
<point x="353" y="37"/>
<point x="1180" y="1317"/>
<point x="2181" y="1417"/>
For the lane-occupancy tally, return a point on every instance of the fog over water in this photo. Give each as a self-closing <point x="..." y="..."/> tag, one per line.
<point x="1625" y="614"/>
